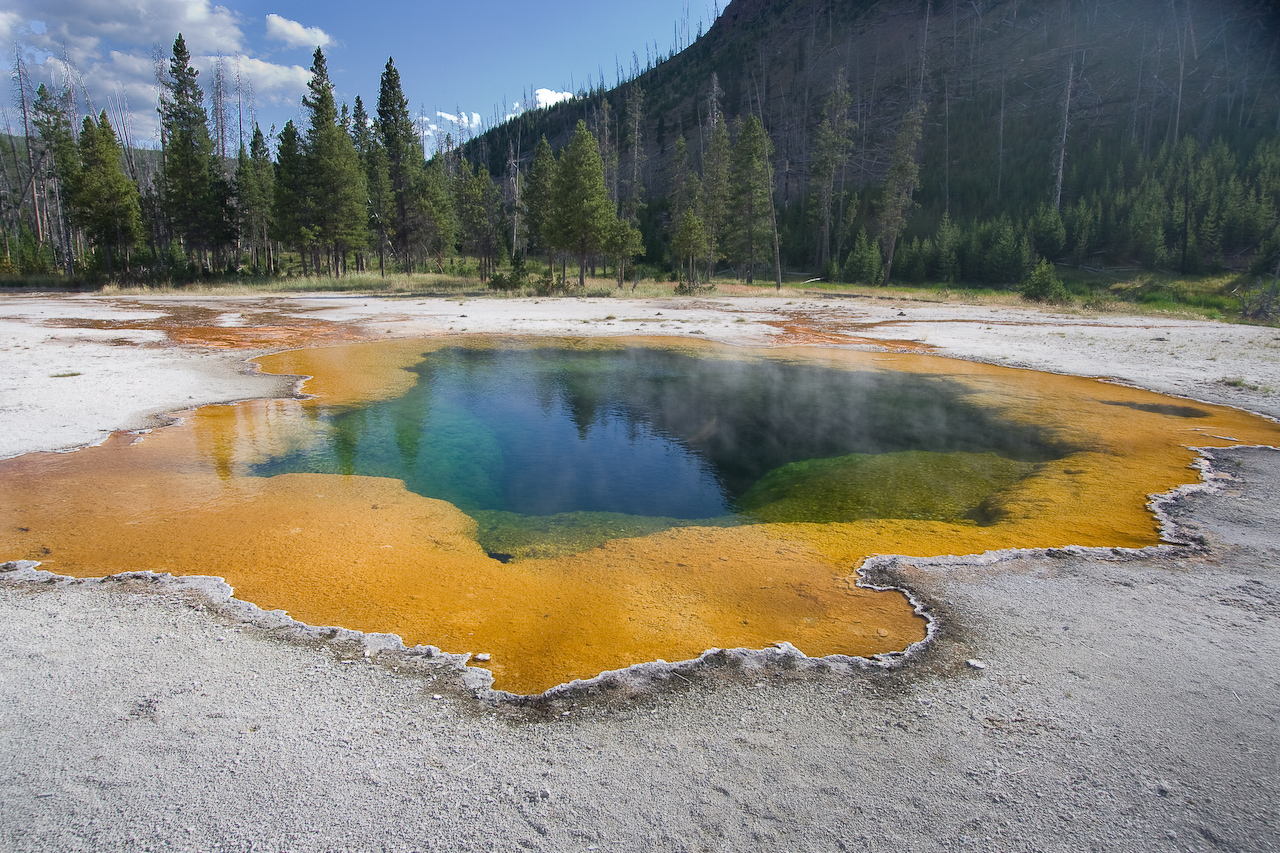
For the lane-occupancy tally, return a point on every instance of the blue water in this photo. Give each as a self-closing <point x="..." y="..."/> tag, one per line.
<point x="637" y="431"/>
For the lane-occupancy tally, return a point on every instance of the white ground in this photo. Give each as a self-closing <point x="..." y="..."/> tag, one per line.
<point x="1128" y="701"/>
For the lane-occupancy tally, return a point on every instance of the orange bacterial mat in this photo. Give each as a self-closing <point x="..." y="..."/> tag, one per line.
<point x="365" y="553"/>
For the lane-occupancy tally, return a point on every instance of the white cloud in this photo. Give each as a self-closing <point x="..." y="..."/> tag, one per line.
<point x="294" y="34"/>
<point x="277" y="84"/>
<point x="471" y="122"/>
<point x="85" y="27"/>
<point x="9" y="23"/>
<point x="541" y="98"/>
<point x="107" y="47"/>
<point x="548" y="97"/>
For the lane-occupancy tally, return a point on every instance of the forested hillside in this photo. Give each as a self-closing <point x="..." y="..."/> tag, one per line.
<point x="1122" y="132"/>
<point x="920" y="140"/>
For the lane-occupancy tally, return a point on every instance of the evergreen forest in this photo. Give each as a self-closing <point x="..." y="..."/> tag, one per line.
<point x="993" y="144"/>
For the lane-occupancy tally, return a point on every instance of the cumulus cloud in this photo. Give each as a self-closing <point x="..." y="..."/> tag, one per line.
<point x="103" y="50"/>
<point x="294" y="34"/>
<point x="86" y="28"/>
<point x="541" y="98"/>
<point x="276" y="84"/>
<point x="470" y="122"/>
<point x="9" y="24"/>
<point x="464" y="124"/>
<point x="548" y="97"/>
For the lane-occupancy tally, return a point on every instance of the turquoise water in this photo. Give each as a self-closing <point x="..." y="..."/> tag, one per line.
<point x="546" y="446"/>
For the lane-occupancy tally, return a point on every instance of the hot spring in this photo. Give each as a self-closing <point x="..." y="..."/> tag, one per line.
<point x="571" y="507"/>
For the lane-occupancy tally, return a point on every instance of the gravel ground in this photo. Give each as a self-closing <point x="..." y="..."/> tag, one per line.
<point x="1072" y="700"/>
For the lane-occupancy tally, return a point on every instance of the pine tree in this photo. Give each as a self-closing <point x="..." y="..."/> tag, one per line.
<point x="195" y="194"/>
<point x="1048" y="235"/>
<point x="291" y="200"/>
<point x="373" y="160"/>
<point x="255" y="193"/>
<point x="948" y="248"/>
<point x="435" y="222"/>
<point x="245" y="182"/>
<point x="831" y="151"/>
<point x="264" y="171"/>
<point x="537" y="199"/>
<point x="105" y="201"/>
<point x="715" y="185"/>
<point x="1043" y="285"/>
<point x="582" y="214"/>
<point x="689" y="245"/>
<point x="623" y="242"/>
<point x="477" y="203"/>
<point x="59" y="141"/>
<point x="688" y="230"/>
<point x="633" y="190"/>
<point x="607" y="136"/>
<point x="404" y="160"/>
<point x="750" y="188"/>
<point x="681" y="185"/>
<point x="333" y="175"/>
<point x="864" y="265"/>
<point x="900" y="183"/>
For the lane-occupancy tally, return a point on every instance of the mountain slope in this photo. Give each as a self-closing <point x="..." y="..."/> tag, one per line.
<point x="1140" y="73"/>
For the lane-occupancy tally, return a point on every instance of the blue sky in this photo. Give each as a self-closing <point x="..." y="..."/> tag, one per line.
<point x="458" y="60"/>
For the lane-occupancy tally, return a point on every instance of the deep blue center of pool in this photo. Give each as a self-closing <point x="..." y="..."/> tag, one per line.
<point x="645" y="432"/>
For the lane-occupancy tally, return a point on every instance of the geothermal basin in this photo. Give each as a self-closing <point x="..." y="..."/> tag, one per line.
<point x="567" y="507"/>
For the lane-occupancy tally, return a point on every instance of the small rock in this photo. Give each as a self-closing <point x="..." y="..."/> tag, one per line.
<point x="483" y="657"/>
<point x="976" y="664"/>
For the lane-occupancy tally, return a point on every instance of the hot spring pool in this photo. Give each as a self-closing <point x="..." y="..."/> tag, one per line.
<point x="571" y="507"/>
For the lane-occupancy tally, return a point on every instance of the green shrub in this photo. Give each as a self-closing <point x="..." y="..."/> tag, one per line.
<point x="1043" y="285"/>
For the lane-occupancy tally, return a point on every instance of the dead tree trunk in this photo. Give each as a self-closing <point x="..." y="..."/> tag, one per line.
<point x="1062" y="139"/>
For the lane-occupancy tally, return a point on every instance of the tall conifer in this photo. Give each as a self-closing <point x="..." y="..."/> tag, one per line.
<point x="435" y="222"/>
<point x="333" y="174"/>
<point x="831" y="151"/>
<point x="749" y="194"/>
<point x="404" y="159"/>
<point x="255" y="190"/>
<point x="537" y="198"/>
<point x="105" y="201"/>
<point x="373" y="159"/>
<point x="582" y="213"/>
<point x="900" y="183"/>
<point x="477" y="202"/>
<point x="195" y="194"/>
<point x="291" y="202"/>
<point x="715" y="187"/>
